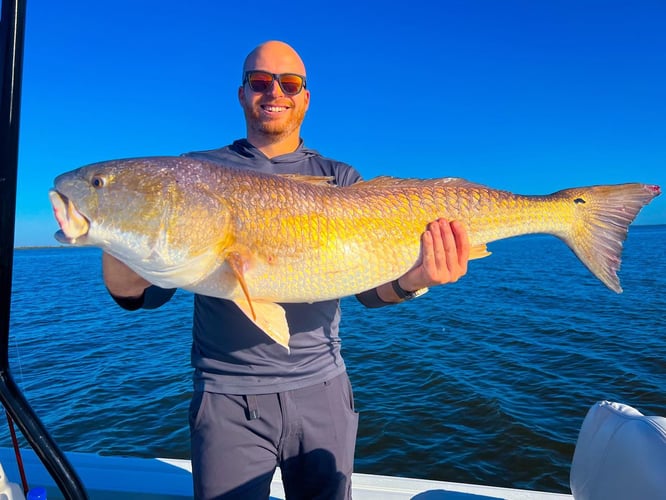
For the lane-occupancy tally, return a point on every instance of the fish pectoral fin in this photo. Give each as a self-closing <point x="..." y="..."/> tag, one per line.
<point x="237" y="264"/>
<point x="479" y="252"/>
<point x="269" y="317"/>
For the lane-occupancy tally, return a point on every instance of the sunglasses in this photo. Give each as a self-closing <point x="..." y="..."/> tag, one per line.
<point x="261" y="81"/>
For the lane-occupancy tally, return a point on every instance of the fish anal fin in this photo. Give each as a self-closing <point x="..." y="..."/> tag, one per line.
<point x="238" y="264"/>
<point x="269" y="317"/>
<point x="479" y="252"/>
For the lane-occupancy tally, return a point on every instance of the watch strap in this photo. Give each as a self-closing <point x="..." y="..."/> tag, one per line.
<point x="404" y="294"/>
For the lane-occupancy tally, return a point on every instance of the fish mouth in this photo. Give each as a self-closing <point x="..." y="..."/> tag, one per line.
<point x="73" y="224"/>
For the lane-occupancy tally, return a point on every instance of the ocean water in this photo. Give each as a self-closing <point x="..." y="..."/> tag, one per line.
<point x="484" y="381"/>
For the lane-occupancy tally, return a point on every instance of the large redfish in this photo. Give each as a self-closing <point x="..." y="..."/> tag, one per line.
<point x="262" y="239"/>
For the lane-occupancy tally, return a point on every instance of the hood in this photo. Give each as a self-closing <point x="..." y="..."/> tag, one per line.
<point x="243" y="148"/>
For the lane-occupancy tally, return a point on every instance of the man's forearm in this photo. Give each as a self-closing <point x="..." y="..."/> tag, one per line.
<point x="120" y="280"/>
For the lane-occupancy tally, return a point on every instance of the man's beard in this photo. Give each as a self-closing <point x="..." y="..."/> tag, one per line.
<point x="278" y="128"/>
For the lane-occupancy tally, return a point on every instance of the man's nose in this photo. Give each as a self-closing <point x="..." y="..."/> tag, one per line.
<point x="275" y="89"/>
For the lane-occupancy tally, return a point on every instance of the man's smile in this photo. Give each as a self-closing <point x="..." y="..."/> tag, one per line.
<point x="273" y="108"/>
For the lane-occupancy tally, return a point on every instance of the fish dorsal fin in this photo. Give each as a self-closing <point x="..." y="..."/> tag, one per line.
<point x="317" y="180"/>
<point x="387" y="181"/>
<point x="382" y="181"/>
<point x="459" y="182"/>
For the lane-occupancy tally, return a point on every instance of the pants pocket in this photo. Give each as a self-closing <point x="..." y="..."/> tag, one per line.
<point x="197" y="407"/>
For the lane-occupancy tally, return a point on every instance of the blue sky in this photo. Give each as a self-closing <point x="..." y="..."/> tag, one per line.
<point x="528" y="96"/>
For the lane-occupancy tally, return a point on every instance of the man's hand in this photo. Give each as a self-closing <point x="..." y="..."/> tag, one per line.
<point x="444" y="255"/>
<point x="120" y="280"/>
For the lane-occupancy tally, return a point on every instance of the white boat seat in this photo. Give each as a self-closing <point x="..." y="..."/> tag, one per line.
<point x="620" y="455"/>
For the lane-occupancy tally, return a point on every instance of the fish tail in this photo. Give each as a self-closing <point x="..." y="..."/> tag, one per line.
<point x="602" y="215"/>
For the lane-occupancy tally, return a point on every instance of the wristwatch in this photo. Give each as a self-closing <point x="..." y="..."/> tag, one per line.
<point x="404" y="294"/>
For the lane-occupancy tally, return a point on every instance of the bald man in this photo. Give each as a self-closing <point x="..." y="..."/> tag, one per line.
<point x="256" y="406"/>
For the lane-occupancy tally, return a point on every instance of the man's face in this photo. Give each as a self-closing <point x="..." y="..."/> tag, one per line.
<point x="272" y="112"/>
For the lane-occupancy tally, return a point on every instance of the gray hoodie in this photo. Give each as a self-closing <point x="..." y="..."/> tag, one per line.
<point x="230" y="354"/>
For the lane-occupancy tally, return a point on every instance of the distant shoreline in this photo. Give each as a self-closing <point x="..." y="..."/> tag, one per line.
<point x="50" y="247"/>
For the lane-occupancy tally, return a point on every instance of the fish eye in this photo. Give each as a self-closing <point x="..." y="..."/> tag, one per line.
<point x="98" y="181"/>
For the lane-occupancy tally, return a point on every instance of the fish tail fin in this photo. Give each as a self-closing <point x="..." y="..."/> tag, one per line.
<point x="602" y="215"/>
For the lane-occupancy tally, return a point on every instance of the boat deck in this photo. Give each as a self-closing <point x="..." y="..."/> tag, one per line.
<point x="170" y="479"/>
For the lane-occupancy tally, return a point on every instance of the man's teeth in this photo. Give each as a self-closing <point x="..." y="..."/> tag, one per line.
<point x="275" y="109"/>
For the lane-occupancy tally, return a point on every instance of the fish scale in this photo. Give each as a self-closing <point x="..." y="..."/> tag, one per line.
<point x="260" y="240"/>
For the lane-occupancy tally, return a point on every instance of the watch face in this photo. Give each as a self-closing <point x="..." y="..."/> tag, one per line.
<point x="418" y="293"/>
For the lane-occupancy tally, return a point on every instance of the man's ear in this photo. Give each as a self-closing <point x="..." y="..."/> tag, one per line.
<point x="306" y="98"/>
<point x="241" y="95"/>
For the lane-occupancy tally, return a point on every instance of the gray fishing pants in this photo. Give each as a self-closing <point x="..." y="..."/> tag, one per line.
<point x="237" y="442"/>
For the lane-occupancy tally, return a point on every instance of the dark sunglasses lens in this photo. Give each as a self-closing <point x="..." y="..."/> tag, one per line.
<point x="260" y="82"/>
<point x="291" y="84"/>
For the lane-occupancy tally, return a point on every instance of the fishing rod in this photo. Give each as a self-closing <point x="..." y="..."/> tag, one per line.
<point x="12" y="30"/>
